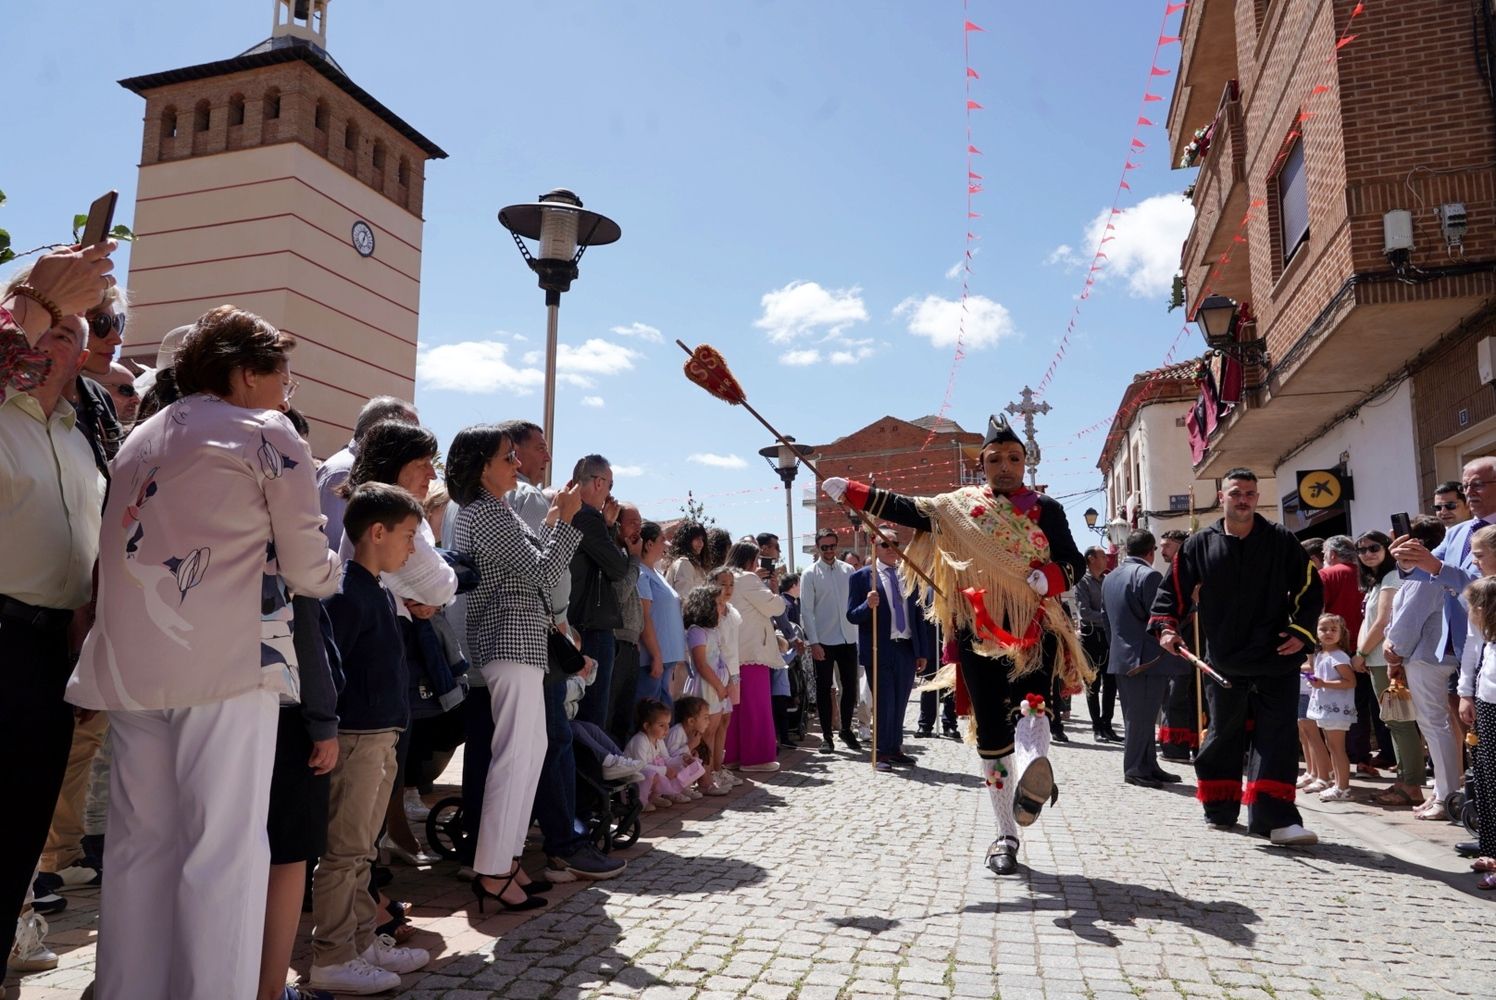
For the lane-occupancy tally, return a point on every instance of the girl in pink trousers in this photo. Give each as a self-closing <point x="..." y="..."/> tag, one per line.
<point x="657" y="783"/>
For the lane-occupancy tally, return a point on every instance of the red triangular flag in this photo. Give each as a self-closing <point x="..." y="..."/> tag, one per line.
<point x="1143" y="121"/>
<point x="1129" y="165"/>
<point x="972" y="73"/>
<point x="973" y="215"/>
<point x="975" y="177"/>
<point x="1360" y="9"/>
<point x="1321" y="89"/>
<point x="1151" y="97"/>
<point x="1155" y="71"/>
<point x="1125" y="186"/>
<point x="973" y="27"/>
<point x="1167" y="39"/>
<point x="1106" y="239"/>
<point x="973" y="106"/>
<point x="973" y="189"/>
<point x="1101" y="255"/>
<point x="1173" y="7"/>
<point x="1138" y="144"/>
<point x="1345" y="41"/>
<point x="973" y="150"/>
<point x="1117" y="211"/>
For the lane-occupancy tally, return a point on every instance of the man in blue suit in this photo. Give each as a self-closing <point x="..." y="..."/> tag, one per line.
<point x="904" y="643"/>
<point x="1143" y="670"/>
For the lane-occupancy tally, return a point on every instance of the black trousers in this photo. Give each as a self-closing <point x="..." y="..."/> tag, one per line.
<point x="623" y="699"/>
<point x="995" y="699"/>
<point x="1368" y="721"/>
<point x="842" y="658"/>
<point x="1101" y="694"/>
<point x="36" y="732"/>
<point x="1258" y="717"/>
<point x="1180" y="732"/>
<point x="928" y="703"/>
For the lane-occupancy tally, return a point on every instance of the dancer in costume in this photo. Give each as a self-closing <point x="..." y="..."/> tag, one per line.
<point x="1000" y="555"/>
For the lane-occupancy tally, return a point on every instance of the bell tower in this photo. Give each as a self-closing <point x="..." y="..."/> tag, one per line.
<point x="272" y="181"/>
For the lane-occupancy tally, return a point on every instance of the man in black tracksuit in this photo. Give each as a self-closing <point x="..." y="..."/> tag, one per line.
<point x="1259" y="604"/>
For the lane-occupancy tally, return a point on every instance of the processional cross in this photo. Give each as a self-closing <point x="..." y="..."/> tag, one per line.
<point x="1027" y="410"/>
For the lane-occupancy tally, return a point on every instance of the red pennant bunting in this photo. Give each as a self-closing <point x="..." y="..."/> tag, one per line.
<point x="1167" y="39"/>
<point x="974" y="151"/>
<point x="973" y="189"/>
<point x="973" y="27"/>
<point x="1138" y="144"/>
<point x="1320" y="89"/>
<point x="974" y="176"/>
<point x="1151" y="97"/>
<point x="1118" y="211"/>
<point x="1360" y="9"/>
<point x="1107" y="239"/>
<point x="1175" y="7"/>
<point x="973" y="215"/>
<point x="1155" y="71"/>
<point x="1143" y="121"/>
<point x="1125" y="186"/>
<point x="1101" y="255"/>
<point x="972" y="73"/>
<point x="973" y="106"/>
<point x="1345" y="41"/>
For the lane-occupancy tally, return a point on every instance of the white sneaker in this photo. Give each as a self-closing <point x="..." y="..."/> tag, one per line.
<point x="728" y="779"/>
<point x="1293" y="836"/>
<point x="30" y="953"/>
<point x="1316" y="786"/>
<point x="1334" y="794"/>
<point x="415" y="808"/>
<point x="693" y="792"/>
<point x="766" y="768"/>
<point x="354" y="976"/>
<point x="616" y="767"/>
<point x="715" y="786"/>
<point x="78" y="875"/>
<point x="680" y="798"/>
<point x="385" y="954"/>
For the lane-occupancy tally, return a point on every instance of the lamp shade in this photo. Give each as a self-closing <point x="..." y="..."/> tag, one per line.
<point x="1217" y="319"/>
<point x="1117" y="532"/>
<point x="1091" y="515"/>
<point x="560" y="223"/>
<point x="785" y="456"/>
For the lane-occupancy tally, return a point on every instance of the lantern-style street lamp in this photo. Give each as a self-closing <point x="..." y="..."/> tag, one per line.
<point x="564" y="231"/>
<point x="784" y="459"/>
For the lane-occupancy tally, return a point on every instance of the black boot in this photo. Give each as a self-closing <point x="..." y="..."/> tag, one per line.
<point x="1057" y="730"/>
<point x="1002" y="856"/>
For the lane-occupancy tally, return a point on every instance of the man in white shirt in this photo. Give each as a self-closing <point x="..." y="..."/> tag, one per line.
<point x="334" y="472"/>
<point x="50" y="502"/>
<point x="832" y="639"/>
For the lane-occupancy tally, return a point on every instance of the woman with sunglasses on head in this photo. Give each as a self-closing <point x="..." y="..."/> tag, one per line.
<point x="508" y="627"/>
<point x="1380" y="582"/>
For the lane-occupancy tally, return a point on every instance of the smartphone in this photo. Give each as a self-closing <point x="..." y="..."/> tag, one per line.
<point x="766" y="564"/>
<point x="100" y="218"/>
<point x="1401" y="525"/>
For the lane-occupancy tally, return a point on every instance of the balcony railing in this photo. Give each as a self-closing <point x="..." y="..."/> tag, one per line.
<point x="1213" y="255"/>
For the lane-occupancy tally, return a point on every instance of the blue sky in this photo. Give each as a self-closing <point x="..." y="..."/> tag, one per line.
<point x="789" y="177"/>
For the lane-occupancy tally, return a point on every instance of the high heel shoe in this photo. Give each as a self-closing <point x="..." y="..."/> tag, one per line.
<point x="535" y="886"/>
<point x="480" y="891"/>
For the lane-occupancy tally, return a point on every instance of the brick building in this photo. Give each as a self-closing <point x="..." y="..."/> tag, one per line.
<point x="274" y="182"/>
<point x="1347" y="202"/>
<point x="891" y="453"/>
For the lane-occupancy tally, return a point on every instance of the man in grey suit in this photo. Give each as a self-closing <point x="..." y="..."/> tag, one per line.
<point x="1142" y="668"/>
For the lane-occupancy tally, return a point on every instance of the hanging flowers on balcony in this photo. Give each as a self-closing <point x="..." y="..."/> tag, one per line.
<point x="1198" y="147"/>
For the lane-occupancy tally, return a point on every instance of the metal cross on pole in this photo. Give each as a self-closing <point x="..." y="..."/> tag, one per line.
<point x="1027" y="410"/>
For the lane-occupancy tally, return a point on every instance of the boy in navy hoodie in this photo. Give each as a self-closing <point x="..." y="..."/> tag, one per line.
<point x="381" y="522"/>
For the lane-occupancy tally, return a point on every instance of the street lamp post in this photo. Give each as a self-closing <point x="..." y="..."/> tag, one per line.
<point x="564" y="231"/>
<point x="784" y="459"/>
<point x="1091" y="515"/>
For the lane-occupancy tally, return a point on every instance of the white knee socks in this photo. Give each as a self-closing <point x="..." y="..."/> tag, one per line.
<point x="998" y="774"/>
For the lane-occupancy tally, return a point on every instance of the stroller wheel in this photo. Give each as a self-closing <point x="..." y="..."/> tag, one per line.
<point x="627" y="834"/>
<point x="1470" y="818"/>
<point x="1455" y="804"/>
<point x="444" y="830"/>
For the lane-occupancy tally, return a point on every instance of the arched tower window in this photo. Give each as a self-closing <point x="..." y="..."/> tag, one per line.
<point x="236" y="109"/>
<point x="272" y="104"/>
<point x="378" y="155"/>
<point x="202" y="116"/>
<point x="169" y="122"/>
<point x="402" y="172"/>
<point x="319" y="117"/>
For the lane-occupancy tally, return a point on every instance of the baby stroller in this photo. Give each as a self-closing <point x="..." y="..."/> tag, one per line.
<point x="446" y="832"/>
<point x="802" y="698"/>
<point x="611" y="809"/>
<point x="1461" y="804"/>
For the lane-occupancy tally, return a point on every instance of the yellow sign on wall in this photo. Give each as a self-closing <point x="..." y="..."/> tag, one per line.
<point x="1321" y="488"/>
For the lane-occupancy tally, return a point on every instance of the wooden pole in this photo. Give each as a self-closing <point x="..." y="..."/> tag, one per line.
<point x="1199" y="674"/>
<point x="873" y="582"/>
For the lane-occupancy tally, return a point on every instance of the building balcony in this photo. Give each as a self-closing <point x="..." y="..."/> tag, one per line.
<point x="1206" y="63"/>
<point x="1215" y="258"/>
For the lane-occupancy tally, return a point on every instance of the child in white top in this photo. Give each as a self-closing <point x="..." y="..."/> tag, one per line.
<point x="681" y="743"/>
<point x="657" y="784"/>
<point x="708" y="648"/>
<point x="1332" y="699"/>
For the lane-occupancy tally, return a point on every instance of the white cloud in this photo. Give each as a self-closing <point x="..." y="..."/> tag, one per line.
<point x="1063" y="254"/>
<point x="477" y="366"/>
<point x="800" y="359"/>
<point x="593" y="401"/>
<point x="643" y="331"/>
<point x="1146" y="250"/>
<point x="717" y="461"/>
<point x="939" y="319"/>
<point x="593" y="357"/>
<point x="850" y="357"/>
<point x="804" y="307"/>
<point x="627" y="471"/>
<point x="954" y="271"/>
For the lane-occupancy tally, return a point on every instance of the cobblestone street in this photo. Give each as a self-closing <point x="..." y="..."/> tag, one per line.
<point x="828" y="881"/>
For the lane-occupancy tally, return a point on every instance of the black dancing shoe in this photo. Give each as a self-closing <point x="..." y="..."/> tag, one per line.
<point x="1036" y="787"/>
<point x="924" y="732"/>
<point x="1057" y="734"/>
<point x="850" y="740"/>
<point x="1002" y="856"/>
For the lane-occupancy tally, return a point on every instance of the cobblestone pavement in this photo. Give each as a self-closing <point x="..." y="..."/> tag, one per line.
<point x="829" y="881"/>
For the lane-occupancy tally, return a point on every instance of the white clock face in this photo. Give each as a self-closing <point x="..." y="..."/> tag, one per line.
<point x="363" y="238"/>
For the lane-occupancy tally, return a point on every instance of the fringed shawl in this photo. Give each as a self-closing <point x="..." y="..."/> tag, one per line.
<point x="979" y="540"/>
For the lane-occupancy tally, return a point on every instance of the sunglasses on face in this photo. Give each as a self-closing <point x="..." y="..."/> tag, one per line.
<point x="826" y="548"/>
<point x="1451" y="505"/>
<point x="126" y="389"/>
<point x="888" y="545"/>
<point x="1369" y="547"/>
<point x="99" y="324"/>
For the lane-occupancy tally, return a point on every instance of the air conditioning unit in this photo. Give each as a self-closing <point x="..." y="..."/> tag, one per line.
<point x="1485" y="359"/>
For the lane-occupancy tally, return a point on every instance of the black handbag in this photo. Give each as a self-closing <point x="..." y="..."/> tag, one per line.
<point x="561" y="655"/>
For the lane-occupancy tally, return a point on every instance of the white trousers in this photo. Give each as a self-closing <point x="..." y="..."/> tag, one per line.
<point x="1429" y="685"/>
<point x="183" y="914"/>
<point x="519" y="744"/>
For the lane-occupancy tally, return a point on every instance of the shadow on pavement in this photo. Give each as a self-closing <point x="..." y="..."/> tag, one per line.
<point x="1094" y="901"/>
<point x="873" y="925"/>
